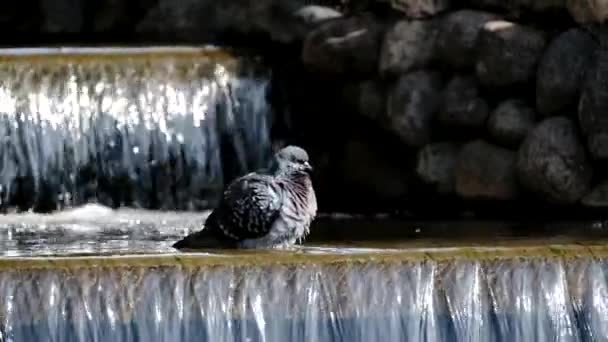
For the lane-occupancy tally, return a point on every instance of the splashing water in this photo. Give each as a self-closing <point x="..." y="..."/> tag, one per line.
<point x="145" y="129"/>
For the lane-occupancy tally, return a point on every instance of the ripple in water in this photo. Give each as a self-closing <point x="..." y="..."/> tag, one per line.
<point x="95" y="229"/>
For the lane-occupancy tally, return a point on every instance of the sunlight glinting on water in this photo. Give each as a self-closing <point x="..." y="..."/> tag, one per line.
<point x="69" y="127"/>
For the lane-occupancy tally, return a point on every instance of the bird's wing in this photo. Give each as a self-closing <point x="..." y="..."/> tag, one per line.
<point x="250" y="206"/>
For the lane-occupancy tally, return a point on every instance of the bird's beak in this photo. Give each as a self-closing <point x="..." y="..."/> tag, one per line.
<point x="307" y="166"/>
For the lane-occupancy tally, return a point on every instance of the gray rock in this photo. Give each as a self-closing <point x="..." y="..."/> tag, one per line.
<point x="588" y="11"/>
<point x="597" y="143"/>
<point x="62" y="16"/>
<point x="593" y="107"/>
<point x="552" y="162"/>
<point x="408" y="45"/>
<point x="485" y="171"/>
<point x="435" y="164"/>
<point x="142" y="21"/>
<point x="457" y="37"/>
<point x="412" y="103"/>
<point x="110" y="15"/>
<point x="17" y="17"/>
<point x="461" y="106"/>
<point x="343" y="46"/>
<point x="367" y="99"/>
<point x="508" y="53"/>
<point x="365" y="169"/>
<point x="510" y="122"/>
<point x="561" y="72"/>
<point x="517" y="8"/>
<point x="202" y="20"/>
<point x="313" y="14"/>
<point x="598" y="196"/>
<point x="420" y="8"/>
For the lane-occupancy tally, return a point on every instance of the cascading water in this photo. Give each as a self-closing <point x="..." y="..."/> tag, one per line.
<point x="95" y="274"/>
<point x="137" y="127"/>
<point x="356" y="297"/>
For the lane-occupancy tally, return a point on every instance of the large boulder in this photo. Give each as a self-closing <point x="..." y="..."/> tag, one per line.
<point x="561" y="72"/>
<point x="457" y="38"/>
<point x="110" y="16"/>
<point x="346" y="46"/>
<point x="209" y="20"/>
<point x="408" y="45"/>
<point x="462" y="107"/>
<point x="62" y="16"/>
<point x="588" y="11"/>
<point x="365" y="169"/>
<point x="16" y="17"/>
<point x="508" y="53"/>
<point x="552" y="162"/>
<point x="485" y="171"/>
<point x="366" y="98"/>
<point x="510" y="122"/>
<point x="419" y="8"/>
<point x="412" y="103"/>
<point x="435" y="165"/>
<point x="519" y="8"/>
<point x="598" y="196"/>
<point x="315" y="15"/>
<point x="593" y="107"/>
<point x="154" y="21"/>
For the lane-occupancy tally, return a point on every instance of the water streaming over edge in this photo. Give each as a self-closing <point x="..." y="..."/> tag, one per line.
<point x="362" y="293"/>
<point x="509" y="300"/>
<point x="142" y="128"/>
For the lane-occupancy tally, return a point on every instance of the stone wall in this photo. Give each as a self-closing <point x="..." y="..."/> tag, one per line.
<point x="29" y="22"/>
<point x="490" y="106"/>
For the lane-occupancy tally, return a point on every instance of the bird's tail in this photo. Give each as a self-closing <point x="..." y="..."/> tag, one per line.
<point x="201" y="239"/>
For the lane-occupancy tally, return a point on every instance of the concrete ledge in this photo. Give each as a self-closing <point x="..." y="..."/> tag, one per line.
<point x="49" y="54"/>
<point x="121" y="50"/>
<point x="313" y="256"/>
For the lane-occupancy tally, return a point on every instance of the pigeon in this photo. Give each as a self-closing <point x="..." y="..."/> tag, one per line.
<point x="271" y="208"/>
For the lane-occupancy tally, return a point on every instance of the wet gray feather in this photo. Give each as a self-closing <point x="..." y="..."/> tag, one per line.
<point x="249" y="207"/>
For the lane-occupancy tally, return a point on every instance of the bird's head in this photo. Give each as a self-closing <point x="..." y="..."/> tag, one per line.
<point x="292" y="159"/>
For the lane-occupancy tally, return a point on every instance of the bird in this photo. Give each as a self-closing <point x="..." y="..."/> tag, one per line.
<point x="271" y="208"/>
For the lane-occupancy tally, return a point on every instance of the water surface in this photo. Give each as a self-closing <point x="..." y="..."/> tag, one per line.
<point x="98" y="230"/>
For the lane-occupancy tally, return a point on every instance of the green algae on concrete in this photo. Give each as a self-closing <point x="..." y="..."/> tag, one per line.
<point x="183" y="60"/>
<point x="301" y="257"/>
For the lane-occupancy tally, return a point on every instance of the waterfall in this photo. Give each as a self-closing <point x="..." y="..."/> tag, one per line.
<point x="308" y="297"/>
<point x="97" y="274"/>
<point x="151" y="128"/>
